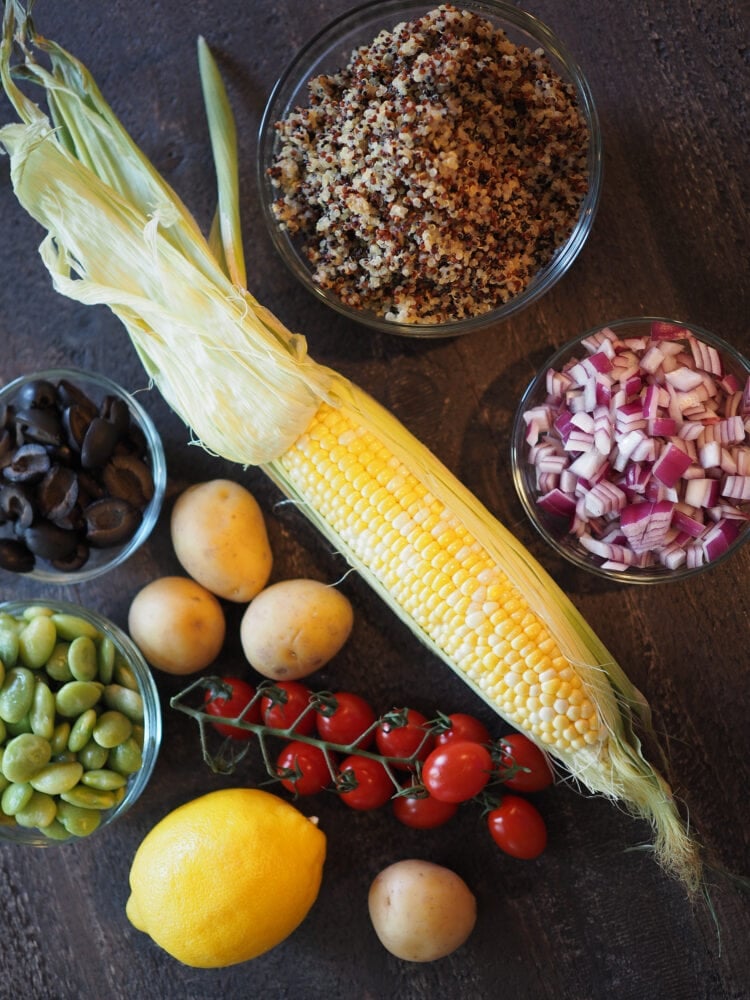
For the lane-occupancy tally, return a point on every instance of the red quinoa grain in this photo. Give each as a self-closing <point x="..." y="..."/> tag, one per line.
<point x="433" y="176"/>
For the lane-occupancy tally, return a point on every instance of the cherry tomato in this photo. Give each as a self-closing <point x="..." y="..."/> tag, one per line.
<point x="308" y="766"/>
<point x="393" y="740"/>
<point x="423" y="811"/>
<point x="351" y="717"/>
<point x="232" y="707"/>
<point x="457" y="771"/>
<point x="517" y="828"/>
<point x="464" y="727"/>
<point x="519" y="751"/>
<point x="373" y="786"/>
<point x="280" y="714"/>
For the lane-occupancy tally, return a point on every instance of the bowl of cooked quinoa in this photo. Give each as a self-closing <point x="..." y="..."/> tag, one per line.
<point x="430" y="170"/>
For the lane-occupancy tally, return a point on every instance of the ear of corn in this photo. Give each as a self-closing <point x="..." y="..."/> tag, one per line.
<point x="455" y="576"/>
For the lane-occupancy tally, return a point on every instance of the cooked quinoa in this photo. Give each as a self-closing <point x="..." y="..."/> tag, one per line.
<point x="433" y="176"/>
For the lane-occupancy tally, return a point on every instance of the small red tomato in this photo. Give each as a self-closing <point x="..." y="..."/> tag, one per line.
<point x="284" y="704"/>
<point x="303" y="768"/>
<point x="423" y="811"/>
<point x="371" y="786"/>
<point x="464" y="727"/>
<point x="232" y="707"/>
<point x="457" y="771"/>
<point x="351" y="717"/>
<point x="519" y="752"/>
<point x="394" y="740"/>
<point x="517" y="828"/>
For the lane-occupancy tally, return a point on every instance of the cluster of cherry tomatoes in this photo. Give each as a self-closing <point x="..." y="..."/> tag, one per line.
<point x="424" y="768"/>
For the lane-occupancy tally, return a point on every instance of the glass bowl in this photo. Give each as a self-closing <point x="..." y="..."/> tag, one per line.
<point x="130" y="669"/>
<point x="128" y="464"/>
<point x="329" y="51"/>
<point x="692" y="526"/>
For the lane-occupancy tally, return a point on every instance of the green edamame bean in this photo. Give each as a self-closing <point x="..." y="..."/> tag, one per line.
<point x="15" y="797"/>
<point x="16" y="728"/>
<point x="112" y="728"/>
<point x="71" y="626"/>
<point x="77" y="821"/>
<point x="125" y="758"/>
<point x="82" y="659"/>
<point x="57" y="665"/>
<point x="34" y="611"/>
<point x="88" y="798"/>
<point x="139" y="734"/>
<point x="124" y="675"/>
<point x="122" y="699"/>
<point x="92" y="756"/>
<point x="76" y="697"/>
<point x="42" y="713"/>
<point x="103" y="779"/>
<point x="24" y="756"/>
<point x="59" y="741"/>
<point x="36" y="642"/>
<point x="8" y="645"/>
<point x="39" y="811"/>
<point x="107" y="654"/>
<point x="82" y="730"/>
<point x="55" y="831"/>
<point x="55" y="778"/>
<point x="16" y="694"/>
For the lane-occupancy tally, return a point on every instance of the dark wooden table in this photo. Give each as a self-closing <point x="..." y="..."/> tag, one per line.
<point x="591" y="919"/>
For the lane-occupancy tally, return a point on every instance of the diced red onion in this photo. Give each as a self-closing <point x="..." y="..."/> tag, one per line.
<point x="650" y="449"/>
<point x="671" y="464"/>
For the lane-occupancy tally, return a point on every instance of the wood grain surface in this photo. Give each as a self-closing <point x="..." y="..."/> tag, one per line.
<point x="592" y="918"/>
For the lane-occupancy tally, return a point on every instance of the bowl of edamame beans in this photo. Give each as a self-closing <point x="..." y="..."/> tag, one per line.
<point x="80" y="722"/>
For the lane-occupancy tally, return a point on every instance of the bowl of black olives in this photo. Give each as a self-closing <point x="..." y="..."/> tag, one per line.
<point x="82" y="475"/>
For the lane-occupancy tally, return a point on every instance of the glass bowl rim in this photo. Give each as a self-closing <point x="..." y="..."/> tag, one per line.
<point x="293" y="77"/>
<point x="152" y="717"/>
<point x="565" y="547"/>
<point x="157" y="463"/>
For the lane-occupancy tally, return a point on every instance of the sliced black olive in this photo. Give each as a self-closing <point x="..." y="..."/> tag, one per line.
<point x="78" y="558"/>
<point x="15" y="557"/>
<point x="39" y="394"/>
<point x="16" y="506"/>
<point x="110" y="522"/>
<point x="89" y="488"/>
<point x="72" y="521"/>
<point x="30" y="464"/>
<point x="129" y="478"/>
<point x="117" y="411"/>
<point x="57" y="494"/>
<point x="47" y="541"/>
<point x="75" y="421"/>
<point x="70" y="395"/>
<point x="6" y="446"/>
<point x="42" y="426"/>
<point x="99" y="443"/>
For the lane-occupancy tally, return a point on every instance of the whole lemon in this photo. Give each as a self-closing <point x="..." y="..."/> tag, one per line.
<point x="226" y="877"/>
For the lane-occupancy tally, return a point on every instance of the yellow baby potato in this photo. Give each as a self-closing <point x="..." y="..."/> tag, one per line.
<point x="178" y="625"/>
<point x="421" y="911"/>
<point x="294" y="627"/>
<point x="220" y="538"/>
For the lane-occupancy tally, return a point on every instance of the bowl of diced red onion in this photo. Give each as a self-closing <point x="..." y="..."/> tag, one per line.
<point x="631" y="450"/>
